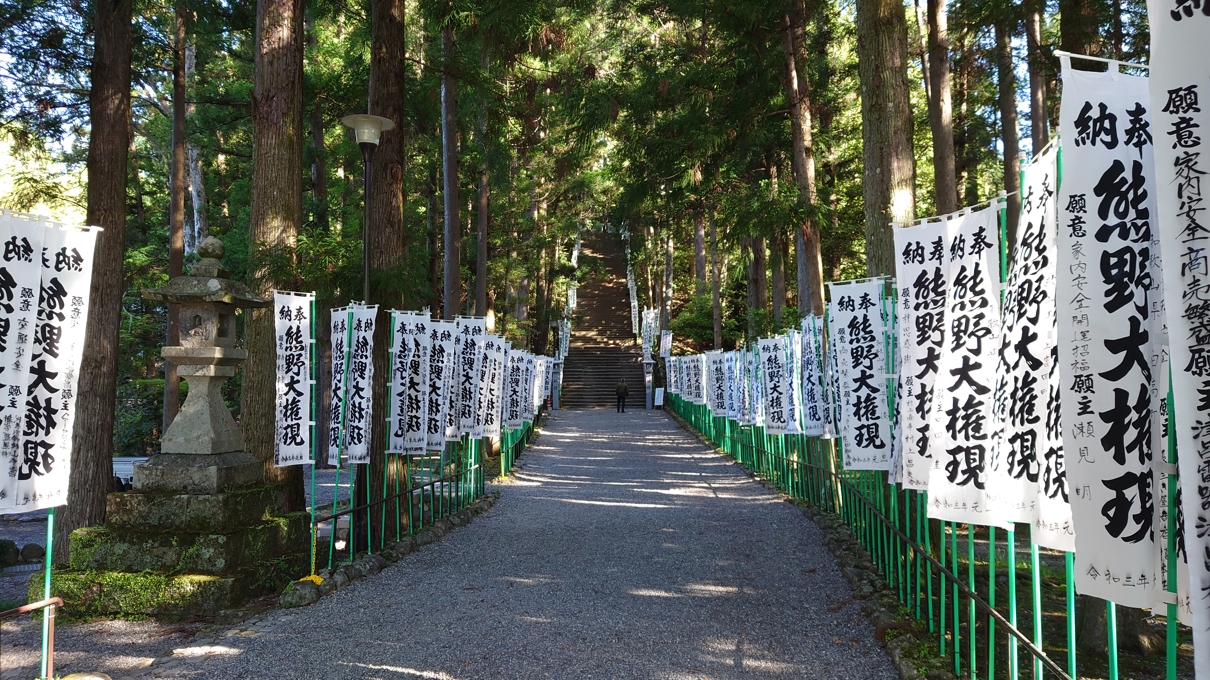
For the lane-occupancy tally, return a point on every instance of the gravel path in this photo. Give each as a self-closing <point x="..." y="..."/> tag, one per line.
<point x="623" y="549"/>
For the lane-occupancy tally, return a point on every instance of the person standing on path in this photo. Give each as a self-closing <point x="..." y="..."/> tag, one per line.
<point x="622" y="390"/>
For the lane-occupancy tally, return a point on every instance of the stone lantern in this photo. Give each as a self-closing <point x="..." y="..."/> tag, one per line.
<point x="202" y="451"/>
<point x="201" y="531"/>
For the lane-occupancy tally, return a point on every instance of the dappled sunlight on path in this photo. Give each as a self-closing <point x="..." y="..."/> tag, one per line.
<point x="622" y="548"/>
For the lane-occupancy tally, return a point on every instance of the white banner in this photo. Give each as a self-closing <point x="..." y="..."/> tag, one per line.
<point x="488" y="350"/>
<point x="1180" y="80"/>
<point x="496" y="349"/>
<point x="814" y="409"/>
<point x="921" y="271"/>
<point x="1026" y="474"/>
<point x="513" y="392"/>
<point x="342" y="327"/>
<point x="471" y="337"/>
<point x="292" y="406"/>
<point x="529" y="399"/>
<point x="21" y="274"/>
<point x="39" y="478"/>
<point x="665" y="343"/>
<point x="731" y="366"/>
<point x="442" y="360"/>
<point x="1109" y="332"/>
<point x="966" y="373"/>
<point x="397" y="380"/>
<point x="716" y="382"/>
<point x="775" y="374"/>
<point x="859" y="333"/>
<point x="359" y="414"/>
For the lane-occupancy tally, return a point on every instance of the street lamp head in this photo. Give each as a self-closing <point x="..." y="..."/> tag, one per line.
<point x="367" y="128"/>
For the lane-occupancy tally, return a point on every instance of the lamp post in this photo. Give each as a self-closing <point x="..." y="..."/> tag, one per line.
<point x="367" y="129"/>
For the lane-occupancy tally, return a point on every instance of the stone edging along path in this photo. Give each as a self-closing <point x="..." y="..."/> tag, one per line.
<point x="908" y="644"/>
<point x="305" y="592"/>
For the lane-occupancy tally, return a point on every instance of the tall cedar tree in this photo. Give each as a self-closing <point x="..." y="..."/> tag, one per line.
<point x="889" y="166"/>
<point x="91" y="477"/>
<point x="274" y="220"/>
<point x="385" y="230"/>
<point x="941" y="110"/>
<point x="810" y="260"/>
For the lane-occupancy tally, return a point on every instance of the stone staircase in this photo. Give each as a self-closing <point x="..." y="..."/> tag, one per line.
<point x="602" y="349"/>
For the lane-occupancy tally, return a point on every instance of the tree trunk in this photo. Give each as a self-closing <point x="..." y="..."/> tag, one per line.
<point x="941" y="111"/>
<point x="482" y="205"/>
<point x="699" y="251"/>
<point x="760" y="277"/>
<point x="384" y="233"/>
<point x="430" y="218"/>
<point x="319" y="161"/>
<point x="922" y="30"/>
<point x="1038" y="81"/>
<point x="323" y="379"/>
<point x="1008" y="123"/>
<point x="666" y="298"/>
<point x="1079" y="29"/>
<point x="274" y="221"/>
<point x="449" y="147"/>
<point x="807" y="240"/>
<point x="197" y="178"/>
<point x="91" y="477"/>
<point x="715" y="283"/>
<point x="176" y="211"/>
<point x="1134" y="633"/>
<point x="778" y="254"/>
<point x="745" y="251"/>
<point x="889" y="167"/>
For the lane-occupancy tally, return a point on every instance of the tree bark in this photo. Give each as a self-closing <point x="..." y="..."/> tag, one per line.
<point x="319" y="160"/>
<point x="715" y="284"/>
<point x="889" y="172"/>
<point x="745" y="253"/>
<point x="274" y="220"/>
<point x="176" y="211"/>
<point x="1078" y="28"/>
<point x="941" y="111"/>
<point x="385" y="229"/>
<point x="778" y="254"/>
<point x="1010" y="135"/>
<point x="430" y="217"/>
<point x="666" y="298"/>
<point x="807" y="240"/>
<point x="449" y="146"/>
<point x="759" y="279"/>
<point x="200" y="228"/>
<point x="482" y="200"/>
<point x="91" y="477"/>
<point x="1038" y="81"/>
<point x="699" y="251"/>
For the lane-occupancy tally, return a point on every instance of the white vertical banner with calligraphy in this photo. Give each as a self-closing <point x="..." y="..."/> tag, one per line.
<point x="1026" y="473"/>
<point x="716" y="382"/>
<point x="471" y="339"/>
<point x="1180" y="113"/>
<point x="491" y="410"/>
<point x="40" y="477"/>
<point x="485" y="367"/>
<point x="20" y="281"/>
<point x="359" y="413"/>
<point x="513" y="418"/>
<point x="1109" y="343"/>
<point x="292" y="405"/>
<point x="342" y="326"/>
<point x="775" y="375"/>
<point x="416" y="426"/>
<point x="442" y="360"/>
<point x="859" y="332"/>
<point x="966" y="373"/>
<point x="397" y="380"/>
<point x="921" y="270"/>
<point x="814" y="410"/>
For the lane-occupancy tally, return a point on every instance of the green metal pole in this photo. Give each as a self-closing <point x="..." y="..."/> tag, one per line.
<point x="1011" y="557"/>
<point x="46" y="579"/>
<point x="970" y="601"/>
<point x="922" y="499"/>
<point x="1111" y="623"/>
<point x="1035" y="566"/>
<point x="957" y="609"/>
<point x="991" y="601"/>
<point x="941" y="586"/>
<point x="1069" y="560"/>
